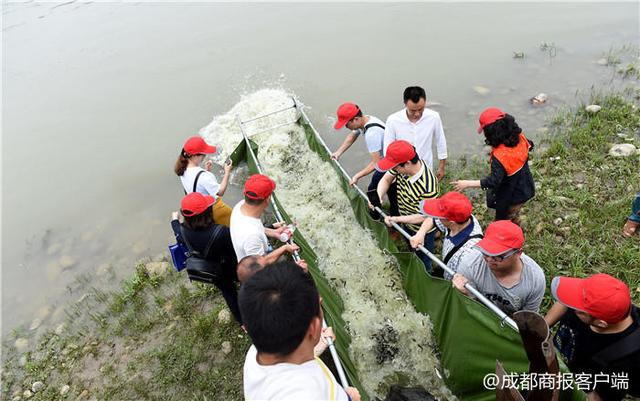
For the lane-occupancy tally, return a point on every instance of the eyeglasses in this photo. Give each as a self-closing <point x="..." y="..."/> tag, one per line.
<point x="500" y="258"/>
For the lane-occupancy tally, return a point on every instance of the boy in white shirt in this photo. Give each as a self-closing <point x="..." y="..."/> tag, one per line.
<point x="280" y="308"/>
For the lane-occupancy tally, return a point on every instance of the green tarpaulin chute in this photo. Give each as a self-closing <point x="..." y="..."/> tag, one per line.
<point x="470" y="338"/>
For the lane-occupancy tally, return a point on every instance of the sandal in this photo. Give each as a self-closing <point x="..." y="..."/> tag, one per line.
<point x="630" y="228"/>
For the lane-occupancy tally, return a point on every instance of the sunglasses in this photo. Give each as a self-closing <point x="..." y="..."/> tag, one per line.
<point x="500" y="258"/>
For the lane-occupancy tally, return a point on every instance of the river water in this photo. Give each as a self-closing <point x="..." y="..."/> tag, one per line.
<point x="98" y="98"/>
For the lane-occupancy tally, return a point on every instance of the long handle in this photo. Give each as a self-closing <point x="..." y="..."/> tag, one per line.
<point x="296" y="257"/>
<point x="503" y="316"/>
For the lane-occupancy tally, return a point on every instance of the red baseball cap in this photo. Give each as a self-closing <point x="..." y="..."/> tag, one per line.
<point x="259" y="187"/>
<point x="345" y="112"/>
<point x="197" y="146"/>
<point x="489" y="116"/>
<point x="602" y="296"/>
<point x="398" y="152"/>
<point x="501" y="236"/>
<point x="452" y="206"/>
<point x="195" y="203"/>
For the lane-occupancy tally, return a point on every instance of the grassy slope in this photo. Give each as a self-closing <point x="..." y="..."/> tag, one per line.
<point x="161" y="338"/>
<point x="573" y="225"/>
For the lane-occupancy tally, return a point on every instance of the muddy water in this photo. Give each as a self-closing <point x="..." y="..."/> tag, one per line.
<point x="98" y="97"/>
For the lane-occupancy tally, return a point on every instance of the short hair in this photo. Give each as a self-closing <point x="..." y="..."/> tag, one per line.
<point x="248" y="266"/>
<point x="277" y="305"/>
<point x="504" y="131"/>
<point x="358" y="114"/>
<point x="252" y="201"/>
<point x="414" y="93"/>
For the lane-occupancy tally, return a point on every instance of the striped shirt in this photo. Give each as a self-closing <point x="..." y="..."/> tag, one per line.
<point x="413" y="190"/>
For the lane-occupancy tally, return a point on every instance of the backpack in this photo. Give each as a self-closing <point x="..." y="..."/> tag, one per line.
<point x="366" y="127"/>
<point x="198" y="268"/>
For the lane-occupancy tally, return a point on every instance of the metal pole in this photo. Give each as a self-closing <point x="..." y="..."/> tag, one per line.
<point x="296" y="257"/>
<point x="503" y="316"/>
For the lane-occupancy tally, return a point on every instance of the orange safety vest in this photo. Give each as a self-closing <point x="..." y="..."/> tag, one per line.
<point x="512" y="159"/>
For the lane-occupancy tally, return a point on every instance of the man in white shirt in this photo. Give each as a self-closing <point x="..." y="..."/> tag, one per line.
<point x="420" y="127"/>
<point x="280" y="308"/>
<point x="248" y="235"/>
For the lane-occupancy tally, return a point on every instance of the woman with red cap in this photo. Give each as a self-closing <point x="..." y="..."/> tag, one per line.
<point x="510" y="183"/>
<point x="199" y="233"/>
<point x="197" y="179"/>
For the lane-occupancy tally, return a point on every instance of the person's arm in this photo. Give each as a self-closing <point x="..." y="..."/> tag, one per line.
<point x="275" y="232"/>
<point x="411" y="219"/>
<point x="225" y="179"/>
<point x="441" y="147"/>
<point x="418" y="239"/>
<point x="493" y="180"/>
<point x="461" y="185"/>
<point x="384" y="184"/>
<point x="346" y="144"/>
<point x="321" y="346"/>
<point x="368" y="169"/>
<point x="175" y="226"/>
<point x="273" y="256"/>
<point x="555" y="313"/>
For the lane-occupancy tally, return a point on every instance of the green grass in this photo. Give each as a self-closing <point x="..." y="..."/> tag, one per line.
<point x="158" y="338"/>
<point x="581" y="184"/>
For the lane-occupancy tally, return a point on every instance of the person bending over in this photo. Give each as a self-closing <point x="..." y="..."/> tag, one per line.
<point x="213" y="241"/>
<point x="451" y="214"/>
<point x="510" y="183"/>
<point x="248" y="234"/>
<point x="499" y="269"/>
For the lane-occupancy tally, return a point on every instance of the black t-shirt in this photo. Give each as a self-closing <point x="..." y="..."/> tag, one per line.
<point x="221" y="251"/>
<point x="577" y="344"/>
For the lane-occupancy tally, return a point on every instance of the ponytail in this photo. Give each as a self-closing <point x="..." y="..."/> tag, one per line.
<point x="181" y="163"/>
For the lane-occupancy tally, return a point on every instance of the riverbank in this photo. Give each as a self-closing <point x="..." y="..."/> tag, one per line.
<point x="160" y="337"/>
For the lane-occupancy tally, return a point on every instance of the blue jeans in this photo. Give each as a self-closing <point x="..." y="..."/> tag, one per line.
<point x="429" y="241"/>
<point x="375" y="179"/>
<point x="635" y="209"/>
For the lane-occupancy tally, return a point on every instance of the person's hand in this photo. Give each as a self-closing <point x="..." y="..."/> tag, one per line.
<point x="354" y="180"/>
<point x="291" y="248"/>
<point x="327" y="332"/>
<point x="370" y="205"/>
<point x="388" y="221"/>
<point x="335" y="156"/>
<point x="440" y="173"/>
<point x="461" y="185"/>
<point x="279" y="224"/>
<point x="416" y="241"/>
<point x="208" y="164"/>
<point x="353" y="393"/>
<point x="459" y="281"/>
<point x="228" y="166"/>
<point x="303" y="265"/>
<point x="175" y="215"/>
<point x="321" y="346"/>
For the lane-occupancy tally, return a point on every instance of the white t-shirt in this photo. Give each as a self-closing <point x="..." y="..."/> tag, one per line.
<point x="420" y="134"/>
<point x="374" y="137"/>
<point x="247" y="234"/>
<point x="311" y="381"/>
<point x="207" y="183"/>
